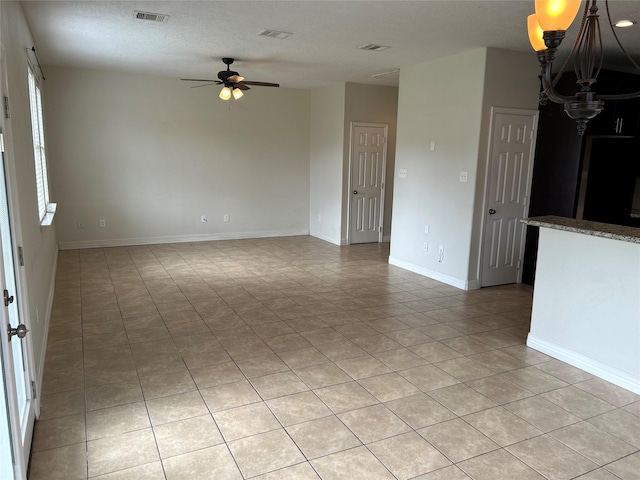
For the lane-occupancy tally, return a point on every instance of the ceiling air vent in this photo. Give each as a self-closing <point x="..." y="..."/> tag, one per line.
<point x="275" y="34"/>
<point x="152" y="17"/>
<point x="390" y="73"/>
<point x="373" y="48"/>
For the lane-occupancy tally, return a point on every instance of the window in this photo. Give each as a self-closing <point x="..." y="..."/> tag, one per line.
<point x="45" y="208"/>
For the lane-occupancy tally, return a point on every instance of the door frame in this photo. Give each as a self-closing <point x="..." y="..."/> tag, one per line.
<point x="485" y="198"/>
<point x="352" y="127"/>
<point x="18" y="431"/>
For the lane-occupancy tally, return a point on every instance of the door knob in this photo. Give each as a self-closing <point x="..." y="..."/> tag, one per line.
<point x="355" y="192"/>
<point x="21" y="331"/>
<point x="492" y="211"/>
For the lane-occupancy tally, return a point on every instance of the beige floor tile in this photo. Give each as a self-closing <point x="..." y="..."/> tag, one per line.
<point x="419" y="410"/>
<point x="534" y="379"/>
<point x="61" y="404"/>
<point x="363" y="366"/>
<point x="400" y="359"/>
<point x="457" y="440"/>
<point x="148" y="471"/>
<point x="229" y="395"/>
<point x="63" y="463"/>
<point x="265" y="453"/>
<point x="448" y="473"/>
<point x="356" y="464"/>
<point x="59" y="432"/>
<point x="564" y="372"/>
<point x="298" y="408"/>
<point x="542" y="414"/>
<point x="183" y="436"/>
<point x="241" y="422"/>
<point x="346" y="396"/>
<point x="303" y="357"/>
<point x="620" y="424"/>
<point x="499" y="389"/>
<point x="498" y="465"/>
<point x="428" y="377"/>
<point x="110" y="454"/>
<point x="211" y="463"/>
<point x="323" y="436"/>
<point x="373" y="423"/>
<point x="592" y="442"/>
<point x="551" y="458"/>
<point x="176" y="407"/>
<point x="408" y="337"/>
<point x="259" y="366"/>
<point x="464" y="369"/>
<point x="112" y="395"/>
<point x="210" y="376"/>
<point x="461" y="399"/>
<point x="408" y="455"/>
<point x="626" y="468"/>
<point x="578" y="402"/>
<point x="502" y="426"/>
<point x="164" y="385"/>
<point x="278" y="385"/>
<point x="322" y="375"/>
<point x="498" y="361"/>
<point x="610" y="393"/>
<point x="341" y="350"/>
<point x="301" y="471"/>
<point x="117" y="420"/>
<point x="388" y="387"/>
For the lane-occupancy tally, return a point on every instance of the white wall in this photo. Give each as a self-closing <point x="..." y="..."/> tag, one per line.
<point x="439" y="101"/>
<point x="371" y="104"/>
<point x="448" y="101"/>
<point x="151" y="155"/>
<point x="39" y="243"/>
<point x="327" y="157"/>
<point x="586" y="307"/>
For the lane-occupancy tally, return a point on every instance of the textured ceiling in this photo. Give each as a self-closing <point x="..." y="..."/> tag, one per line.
<point x="322" y="50"/>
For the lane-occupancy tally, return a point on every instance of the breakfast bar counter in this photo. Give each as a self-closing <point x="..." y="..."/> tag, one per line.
<point x="586" y="297"/>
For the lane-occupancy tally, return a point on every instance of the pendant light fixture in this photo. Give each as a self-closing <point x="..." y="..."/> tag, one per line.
<point x="547" y="29"/>
<point x="225" y="93"/>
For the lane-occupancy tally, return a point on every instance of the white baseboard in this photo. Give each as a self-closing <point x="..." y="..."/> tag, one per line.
<point x="441" y="277"/>
<point x="325" y="238"/>
<point x="125" y="242"/>
<point x="610" y="374"/>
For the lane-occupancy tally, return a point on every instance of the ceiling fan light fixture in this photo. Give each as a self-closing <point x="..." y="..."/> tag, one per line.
<point x="225" y="93"/>
<point x="237" y="93"/>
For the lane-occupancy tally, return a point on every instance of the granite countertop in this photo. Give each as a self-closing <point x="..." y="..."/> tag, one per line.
<point x="596" y="229"/>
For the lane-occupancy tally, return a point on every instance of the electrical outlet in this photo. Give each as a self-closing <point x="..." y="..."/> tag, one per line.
<point x="402" y="173"/>
<point x="464" y="176"/>
<point x="103" y="223"/>
<point x="425" y="246"/>
<point x="226" y="217"/>
<point x="432" y="147"/>
<point x="203" y="218"/>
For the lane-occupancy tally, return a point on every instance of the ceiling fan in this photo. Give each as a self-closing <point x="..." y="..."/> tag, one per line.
<point x="233" y="83"/>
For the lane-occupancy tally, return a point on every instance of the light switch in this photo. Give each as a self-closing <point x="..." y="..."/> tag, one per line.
<point x="402" y="173"/>
<point x="432" y="147"/>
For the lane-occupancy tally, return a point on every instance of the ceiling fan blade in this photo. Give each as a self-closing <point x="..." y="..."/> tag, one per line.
<point x="262" y="84"/>
<point x="241" y="86"/>
<point x="197" y="80"/>
<point x="205" y="85"/>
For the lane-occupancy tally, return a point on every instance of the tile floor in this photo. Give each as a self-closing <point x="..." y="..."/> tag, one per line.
<point x="292" y="358"/>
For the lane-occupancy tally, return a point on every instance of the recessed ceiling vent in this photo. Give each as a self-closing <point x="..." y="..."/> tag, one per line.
<point x="275" y="34"/>
<point x="152" y="17"/>
<point x="373" y="48"/>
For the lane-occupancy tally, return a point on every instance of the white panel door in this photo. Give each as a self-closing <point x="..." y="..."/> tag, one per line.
<point x="367" y="164"/>
<point x="508" y="183"/>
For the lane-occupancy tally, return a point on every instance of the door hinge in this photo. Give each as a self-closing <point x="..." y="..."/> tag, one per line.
<point x="34" y="393"/>
<point x="380" y="229"/>
<point x="7" y="111"/>
<point x="21" y="256"/>
<point x="382" y="186"/>
<point x="518" y="265"/>
<point x="1" y="142"/>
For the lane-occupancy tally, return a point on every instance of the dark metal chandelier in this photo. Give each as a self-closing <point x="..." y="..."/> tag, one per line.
<point x="547" y="29"/>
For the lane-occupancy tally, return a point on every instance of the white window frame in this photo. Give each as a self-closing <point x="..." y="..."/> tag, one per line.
<point x="46" y="209"/>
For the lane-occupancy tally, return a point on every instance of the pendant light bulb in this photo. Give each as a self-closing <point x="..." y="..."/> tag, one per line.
<point x="556" y="15"/>
<point x="535" y="33"/>
<point x="225" y="93"/>
<point x="237" y="93"/>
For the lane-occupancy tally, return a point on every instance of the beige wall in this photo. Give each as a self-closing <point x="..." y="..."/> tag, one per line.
<point x="448" y="101"/>
<point x="36" y="277"/>
<point x="151" y="156"/>
<point x="327" y="156"/>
